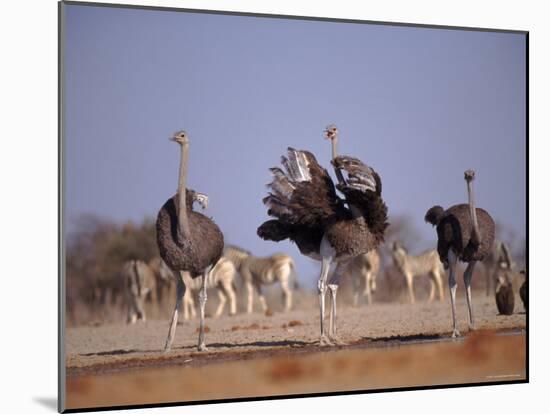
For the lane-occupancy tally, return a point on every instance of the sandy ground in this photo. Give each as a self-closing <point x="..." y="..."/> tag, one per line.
<point x="389" y="345"/>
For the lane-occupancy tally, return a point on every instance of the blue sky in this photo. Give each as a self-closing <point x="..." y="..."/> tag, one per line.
<point x="418" y="105"/>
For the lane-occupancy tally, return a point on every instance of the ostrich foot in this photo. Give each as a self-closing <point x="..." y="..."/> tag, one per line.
<point x="455" y="334"/>
<point x="336" y="340"/>
<point x="471" y="327"/>
<point x="325" y="341"/>
<point x="202" y="348"/>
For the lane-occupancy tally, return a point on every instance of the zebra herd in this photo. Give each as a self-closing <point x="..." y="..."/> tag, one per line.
<point x="143" y="280"/>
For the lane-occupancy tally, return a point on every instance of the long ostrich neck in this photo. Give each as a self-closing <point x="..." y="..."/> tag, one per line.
<point x="183" y="220"/>
<point x="339" y="175"/>
<point x="476" y="234"/>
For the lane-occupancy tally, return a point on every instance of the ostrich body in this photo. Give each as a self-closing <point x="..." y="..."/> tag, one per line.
<point x="187" y="240"/>
<point x="504" y="296"/>
<point x="308" y="211"/>
<point x="464" y="233"/>
<point x="523" y="291"/>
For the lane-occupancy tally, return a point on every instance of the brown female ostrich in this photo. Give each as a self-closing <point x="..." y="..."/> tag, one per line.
<point x="523" y="290"/>
<point x="466" y="233"/>
<point x="187" y="240"/>
<point x="504" y="296"/>
<point x="308" y="211"/>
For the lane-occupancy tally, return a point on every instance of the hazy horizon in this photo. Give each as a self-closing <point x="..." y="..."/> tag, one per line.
<point x="419" y="105"/>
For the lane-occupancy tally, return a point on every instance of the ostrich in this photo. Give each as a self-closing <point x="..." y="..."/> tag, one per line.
<point x="466" y="233"/>
<point x="308" y="211"/>
<point x="523" y="290"/>
<point x="187" y="240"/>
<point x="504" y="295"/>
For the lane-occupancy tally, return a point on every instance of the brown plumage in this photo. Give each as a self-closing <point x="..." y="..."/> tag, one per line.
<point x="523" y="291"/>
<point x="194" y="255"/>
<point x="307" y="211"/>
<point x="454" y="230"/>
<point x="187" y="240"/>
<point x="505" y="299"/>
<point x="464" y="233"/>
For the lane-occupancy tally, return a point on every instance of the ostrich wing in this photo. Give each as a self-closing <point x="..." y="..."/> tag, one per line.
<point x="361" y="177"/>
<point x="303" y="193"/>
<point x="363" y="189"/>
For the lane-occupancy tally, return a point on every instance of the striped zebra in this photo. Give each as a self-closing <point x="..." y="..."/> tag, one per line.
<point x="425" y="263"/>
<point x="363" y="270"/>
<point x="258" y="271"/>
<point x="139" y="283"/>
<point x="222" y="278"/>
<point x="164" y="279"/>
<point x="498" y="262"/>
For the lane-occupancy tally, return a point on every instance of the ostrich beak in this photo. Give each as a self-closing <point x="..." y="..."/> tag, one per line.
<point x="202" y="199"/>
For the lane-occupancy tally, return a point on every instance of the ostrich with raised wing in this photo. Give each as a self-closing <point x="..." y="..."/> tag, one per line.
<point x="464" y="233"/>
<point x="187" y="241"/>
<point x="324" y="226"/>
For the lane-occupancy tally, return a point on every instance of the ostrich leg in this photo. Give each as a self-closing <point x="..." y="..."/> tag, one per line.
<point x="322" y="287"/>
<point x="467" y="280"/>
<point x="202" y="304"/>
<point x="452" y="287"/>
<point x="180" y="291"/>
<point x="333" y="286"/>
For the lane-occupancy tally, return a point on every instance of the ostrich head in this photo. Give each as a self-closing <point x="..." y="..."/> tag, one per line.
<point x="196" y="197"/>
<point x="180" y="137"/>
<point x="331" y="132"/>
<point x="202" y="199"/>
<point x="469" y="175"/>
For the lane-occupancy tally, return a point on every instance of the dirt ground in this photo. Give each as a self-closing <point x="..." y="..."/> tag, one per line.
<point x="389" y="345"/>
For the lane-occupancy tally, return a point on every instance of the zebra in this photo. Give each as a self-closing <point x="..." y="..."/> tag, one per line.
<point x="139" y="282"/>
<point x="363" y="270"/>
<point x="499" y="261"/>
<point x="221" y="277"/>
<point x="164" y="279"/>
<point x="425" y="263"/>
<point x="258" y="271"/>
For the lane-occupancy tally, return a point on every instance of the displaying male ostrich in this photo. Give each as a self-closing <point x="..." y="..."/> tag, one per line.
<point x="308" y="211"/>
<point x="187" y="240"/>
<point x="466" y="233"/>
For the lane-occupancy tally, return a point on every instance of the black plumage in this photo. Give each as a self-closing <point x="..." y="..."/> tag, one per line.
<point x="307" y="209"/>
<point x="454" y="230"/>
<point x="464" y="233"/>
<point x="505" y="299"/>
<point x="523" y="291"/>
